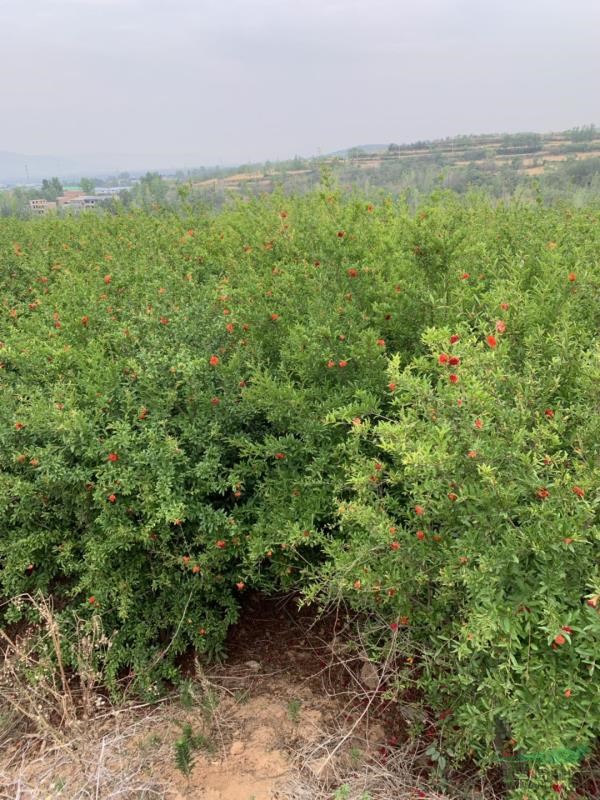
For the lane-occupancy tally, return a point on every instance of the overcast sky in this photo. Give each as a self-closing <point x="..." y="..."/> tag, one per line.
<point x="238" y="80"/>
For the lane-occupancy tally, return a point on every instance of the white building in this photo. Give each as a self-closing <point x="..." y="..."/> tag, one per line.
<point x="105" y="191"/>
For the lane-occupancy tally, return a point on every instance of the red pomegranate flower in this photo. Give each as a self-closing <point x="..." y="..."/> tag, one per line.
<point x="500" y="326"/>
<point x="572" y="277"/>
<point x="342" y="364"/>
<point x="352" y="273"/>
<point x="420" y="535"/>
<point x="491" y="340"/>
<point x="380" y="342"/>
<point x="452" y="496"/>
<point x="394" y="626"/>
<point x="107" y="279"/>
<point x="112" y="498"/>
<point x="220" y="544"/>
<point x="330" y="364"/>
<point x="443" y="358"/>
<point x="504" y="306"/>
<point x="453" y="378"/>
<point x="113" y="457"/>
<point x="549" y="413"/>
<point x="478" y="424"/>
<point x="215" y="401"/>
<point x="472" y="453"/>
<point x="543" y="493"/>
<point x="395" y="546"/>
<point x="214" y="361"/>
<point x="391" y="387"/>
<point x="454" y="361"/>
<point x="454" y="338"/>
<point x="341" y="234"/>
<point x="578" y="491"/>
<point x="85" y="321"/>
<point x="230" y="327"/>
<point x="279" y="456"/>
<point x="419" y="511"/>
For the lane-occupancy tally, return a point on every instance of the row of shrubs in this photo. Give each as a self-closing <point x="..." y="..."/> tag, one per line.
<point x="318" y="394"/>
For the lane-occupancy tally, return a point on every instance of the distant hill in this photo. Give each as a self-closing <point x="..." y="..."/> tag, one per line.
<point x="21" y="168"/>
<point x="458" y="150"/>
<point x="366" y="148"/>
<point x="26" y="168"/>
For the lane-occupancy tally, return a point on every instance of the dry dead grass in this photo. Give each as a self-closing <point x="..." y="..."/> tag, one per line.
<point x="88" y="763"/>
<point x="304" y="723"/>
<point x="261" y="751"/>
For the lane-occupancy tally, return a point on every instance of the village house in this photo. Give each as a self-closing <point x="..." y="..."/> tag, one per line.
<point x="41" y="206"/>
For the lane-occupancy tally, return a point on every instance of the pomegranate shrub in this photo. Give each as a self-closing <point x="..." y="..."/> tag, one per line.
<point x="320" y="394"/>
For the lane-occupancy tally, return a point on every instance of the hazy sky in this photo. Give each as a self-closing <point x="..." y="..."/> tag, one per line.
<point x="240" y="80"/>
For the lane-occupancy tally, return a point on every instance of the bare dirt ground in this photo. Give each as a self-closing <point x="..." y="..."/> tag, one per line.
<point x="293" y="714"/>
<point x="289" y="716"/>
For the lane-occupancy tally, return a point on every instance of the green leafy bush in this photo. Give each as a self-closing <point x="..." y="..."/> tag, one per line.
<point x="264" y="399"/>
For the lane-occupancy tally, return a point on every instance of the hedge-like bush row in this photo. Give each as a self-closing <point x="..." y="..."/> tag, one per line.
<point x="324" y="395"/>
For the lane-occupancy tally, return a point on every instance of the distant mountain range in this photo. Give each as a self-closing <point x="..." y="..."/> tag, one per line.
<point x="17" y="168"/>
<point x="366" y="148"/>
<point x="23" y="169"/>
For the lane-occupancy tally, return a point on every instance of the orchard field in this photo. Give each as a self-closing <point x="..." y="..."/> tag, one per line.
<point x="394" y="411"/>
